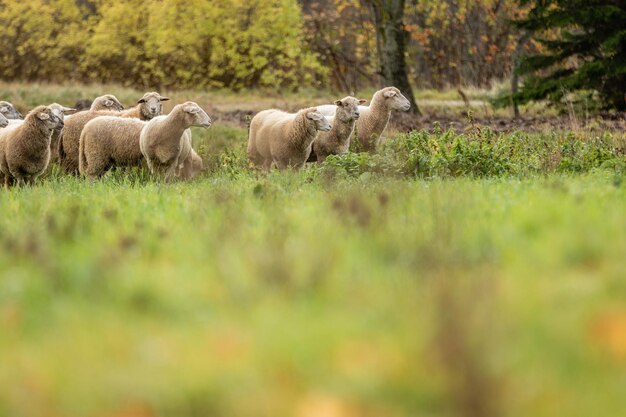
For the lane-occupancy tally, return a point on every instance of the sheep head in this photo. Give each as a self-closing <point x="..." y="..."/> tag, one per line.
<point x="150" y="105"/>
<point x="348" y="109"/>
<point x="321" y="123"/>
<point x="45" y="118"/>
<point x="9" y="111"/>
<point x="107" y="102"/>
<point x="394" y="100"/>
<point x="60" y="111"/>
<point x="195" y="116"/>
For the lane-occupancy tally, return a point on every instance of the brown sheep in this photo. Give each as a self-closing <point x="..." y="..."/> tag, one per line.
<point x="109" y="141"/>
<point x="148" y="107"/>
<point x="284" y="139"/>
<point x="25" y="147"/>
<point x="68" y="142"/>
<point x="337" y="141"/>
<point x="165" y="138"/>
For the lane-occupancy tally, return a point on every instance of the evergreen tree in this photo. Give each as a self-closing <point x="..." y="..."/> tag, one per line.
<point x="584" y="49"/>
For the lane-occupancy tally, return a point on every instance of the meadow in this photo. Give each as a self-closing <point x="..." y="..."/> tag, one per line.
<point x="453" y="274"/>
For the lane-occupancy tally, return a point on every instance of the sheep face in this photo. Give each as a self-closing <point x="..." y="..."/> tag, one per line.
<point x="4" y="122"/>
<point x="395" y="100"/>
<point x="348" y="109"/>
<point x="10" y="112"/>
<point x="46" y="118"/>
<point x="321" y="123"/>
<point x="150" y="104"/>
<point x="60" y="111"/>
<point x="195" y="116"/>
<point x="107" y="102"/>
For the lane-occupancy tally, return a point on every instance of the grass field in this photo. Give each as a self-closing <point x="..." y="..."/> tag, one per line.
<point x="451" y="275"/>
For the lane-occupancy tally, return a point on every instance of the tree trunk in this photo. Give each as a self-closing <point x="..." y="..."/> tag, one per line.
<point x="517" y="55"/>
<point x="391" y="44"/>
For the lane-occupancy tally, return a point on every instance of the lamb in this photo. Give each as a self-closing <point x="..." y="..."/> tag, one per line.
<point x="4" y="122"/>
<point x="166" y="141"/>
<point x="25" y="147"/>
<point x="284" y="139"/>
<point x="191" y="162"/>
<point x="68" y="142"/>
<point x="375" y="117"/>
<point x="337" y="141"/>
<point x="9" y="111"/>
<point x="147" y="108"/>
<point x="191" y="166"/>
<point x="108" y="141"/>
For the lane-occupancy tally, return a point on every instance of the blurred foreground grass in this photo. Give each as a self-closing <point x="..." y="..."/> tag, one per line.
<point x="296" y="295"/>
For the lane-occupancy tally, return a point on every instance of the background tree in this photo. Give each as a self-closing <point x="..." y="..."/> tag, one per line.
<point x="391" y="40"/>
<point x="587" y="50"/>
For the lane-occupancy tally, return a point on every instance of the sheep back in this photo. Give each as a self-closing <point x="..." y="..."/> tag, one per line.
<point x="109" y="141"/>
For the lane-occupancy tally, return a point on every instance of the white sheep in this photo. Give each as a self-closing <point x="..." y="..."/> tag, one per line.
<point x="9" y="111"/>
<point x="109" y="141"/>
<point x="166" y="141"/>
<point x="284" y="139"/>
<point x="148" y="107"/>
<point x="337" y="141"/>
<point x="375" y="117"/>
<point x="68" y="141"/>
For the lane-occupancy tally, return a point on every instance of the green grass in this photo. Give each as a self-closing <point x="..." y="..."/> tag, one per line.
<point x="450" y="275"/>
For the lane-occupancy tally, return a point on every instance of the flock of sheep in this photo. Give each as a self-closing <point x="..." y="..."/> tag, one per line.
<point x="106" y="135"/>
<point x="286" y="140"/>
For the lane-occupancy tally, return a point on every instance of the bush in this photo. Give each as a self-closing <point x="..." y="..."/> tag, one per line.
<point x="483" y="153"/>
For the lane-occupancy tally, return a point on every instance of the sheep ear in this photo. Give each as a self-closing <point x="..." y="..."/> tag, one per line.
<point x="67" y="109"/>
<point x="164" y="98"/>
<point x="4" y="109"/>
<point x="108" y="103"/>
<point x="314" y="116"/>
<point x="362" y="101"/>
<point x="191" y="109"/>
<point x="141" y="100"/>
<point x="43" y="116"/>
<point x="339" y="103"/>
<point x="390" y="93"/>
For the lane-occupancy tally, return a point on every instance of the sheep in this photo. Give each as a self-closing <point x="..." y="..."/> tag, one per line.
<point x="9" y="111"/>
<point x="25" y="147"/>
<point x="192" y="166"/>
<point x="166" y="138"/>
<point x="375" y="117"/>
<point x="337" y="141"/>
<point x="147" y="108"/>
<point x="106" y="102"/>
<point x="4" y="122"/>
<point x="284" y="139"/>
<point x="191" y="162"/>
<point x="108" y="141"/>
<point x="59" y="111"/>
<point x="68" y="142"/>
